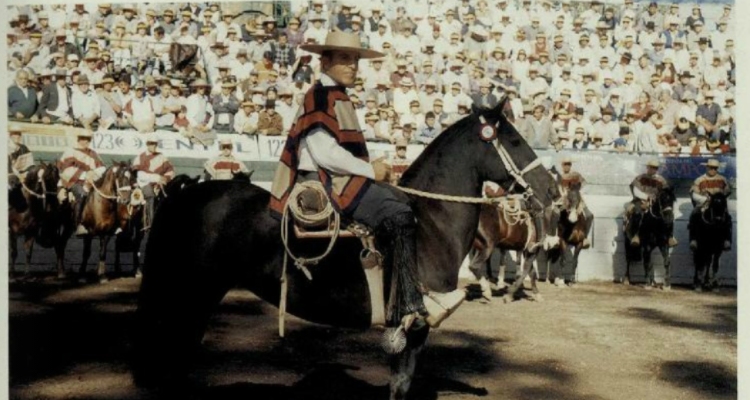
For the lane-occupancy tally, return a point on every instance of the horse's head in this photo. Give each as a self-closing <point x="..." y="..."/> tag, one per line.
<point x="178" y="183"/>
<point x="717" y="208"/>
<point x="664" y="204"/>
<point x="121" y="179"/>
<point x="521" y="160"/>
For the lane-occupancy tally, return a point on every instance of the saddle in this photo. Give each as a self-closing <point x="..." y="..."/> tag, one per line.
<point x="313" y="217"/>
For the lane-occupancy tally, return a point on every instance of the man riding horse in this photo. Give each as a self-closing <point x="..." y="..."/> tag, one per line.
<point x="20" y="158"/>
<point x="80" y="167"/>
<point x="326" y="143"/>
<point x="154" y="171"/>
<point x="644" y="188"/>
<point x="571" y="178"/>
<point x="703" y="187"/>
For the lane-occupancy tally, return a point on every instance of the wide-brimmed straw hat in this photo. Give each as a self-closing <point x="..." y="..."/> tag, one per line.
<point x="342" y="41"/>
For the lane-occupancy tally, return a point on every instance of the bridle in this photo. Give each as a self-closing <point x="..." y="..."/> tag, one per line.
<point x="657" y="202"/>
<point x="44" y="193"/>
<point x="709" y="209"/>
<point x="117" y="197"/>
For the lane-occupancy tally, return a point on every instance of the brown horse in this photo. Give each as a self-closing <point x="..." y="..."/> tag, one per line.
<point x="33" y="213"/>
<point x="106" y="213"/>
<point x="571" y="225"/>
<point x="508" y="226"/>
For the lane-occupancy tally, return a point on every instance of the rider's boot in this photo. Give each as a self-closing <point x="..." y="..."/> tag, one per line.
<point x="406" y="296"/>
<point x="80" y="230"/>
<point x="672" y="242"/>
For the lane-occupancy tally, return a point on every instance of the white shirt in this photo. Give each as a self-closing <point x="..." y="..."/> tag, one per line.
<point x="319" y="149"/>
<point x="86" y="104"/>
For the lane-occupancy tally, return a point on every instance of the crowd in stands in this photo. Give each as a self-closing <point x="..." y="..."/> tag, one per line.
<point x="631" y="77"/>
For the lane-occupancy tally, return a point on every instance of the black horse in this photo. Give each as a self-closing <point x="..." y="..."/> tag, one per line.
<point x="654" y="228"/>
<point x="219" y="234"/>
<point x="34" y="213"/>
<point x="710" y="231"/>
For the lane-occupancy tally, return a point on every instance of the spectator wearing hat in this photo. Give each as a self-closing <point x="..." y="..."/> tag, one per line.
<point x="283" y="52"/>
<point x="533" y="83"/>
<point x="225" y="25"/>
<point x="651" y="14"/>
<point x="414" y="115"/>
<point x="20" y="158"/>
<point x="541" y="134"/>
<point x="56" y="104"/>
<point x="165" y="106"/>
<point x="684" y="132"/>
<point x="484" y="98"/>
<point x="266" y="67"/>
<point x="246" y="119"/>
<point x="649" y="137"/>
<point x="138" y="112"/>
<point x="110" y="106"/>
<point x="270" y="122"/>
<point x="607" y="127"/>
<point x="381" y="35"/>
<point x="36" y="54"/>
<point x="563" y="102"/>
<point x="715" y="72"/>
<point x="707" y="115"/>
<point x="225" y="106"/>
<point x="199" y="114"/>
<point x="22" y="98"/>
<point x="452" y="98"/>
<point x="86" y="107"/>
<point x="405" y="94"/>
<point x="580" y="141"/>
<point x="694" y="35"/>
<point x="316" y="29"/>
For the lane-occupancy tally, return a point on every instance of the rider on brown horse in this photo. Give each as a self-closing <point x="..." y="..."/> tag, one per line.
<point x="644" y="188"/>
<point x="80" y="166"/>
<point x="326" y="143"/>
<point x="705" y="185"/>
<point x="154" y="170"/>
<point x="570" y="179"/>
<point x="20" y="158"/>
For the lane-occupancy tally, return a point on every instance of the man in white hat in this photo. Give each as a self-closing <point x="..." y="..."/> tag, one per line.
<point x="225" y="106"/>
<point x="200" y="114"/>
<point x="225" y="165"/>
<point x="139" y="111"/>
<point x="86" y="107"/>
<point x="20" y="158"/>
<point x="154" y="171"/>
<point x="80" y="166"/>
<point x="404" y="95"/>
<point x="314" y="151"/>
<point x="703" y="187"/>
<point x="645" y="188"/>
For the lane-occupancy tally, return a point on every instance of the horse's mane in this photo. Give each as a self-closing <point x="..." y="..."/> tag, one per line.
<point x="445" y="139"/>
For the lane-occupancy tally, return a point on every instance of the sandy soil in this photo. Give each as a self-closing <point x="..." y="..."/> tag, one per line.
<point x="593" y="341"/>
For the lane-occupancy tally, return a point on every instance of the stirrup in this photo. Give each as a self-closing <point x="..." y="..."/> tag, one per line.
<point x="635" y="241"/>
<point x="586" y="243"/>
<point x="672" y="242"/>
<point x="81" y="230"/>
<point x="441" y="305"/>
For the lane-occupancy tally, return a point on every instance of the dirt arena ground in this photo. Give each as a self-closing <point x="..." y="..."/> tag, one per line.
<point x="593" y="341"/>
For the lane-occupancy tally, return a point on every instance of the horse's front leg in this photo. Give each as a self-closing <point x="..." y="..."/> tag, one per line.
<point x="530" y="258"/>
<point x="518" y="283"/>
<point x="576" y="252"/>
<point x="479" y="266"/>
<point x="404" y="364"/>
<point x="648" y="268"/>
<point x="60" y="243"/>
<point x="665" y="253"/>
<point x="101" y="271"/>
<point x="714" y="282"/>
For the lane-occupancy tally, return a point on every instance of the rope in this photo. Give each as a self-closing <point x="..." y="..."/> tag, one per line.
<point x="454" y="199"/>
<point x="301" y="262"/>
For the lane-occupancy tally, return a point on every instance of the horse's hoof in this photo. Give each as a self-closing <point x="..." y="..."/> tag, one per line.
<point x="537" y="297"/>
<point x="666" y="288"/>
<point x="138" y="274"/>
<point x="507" y="299"/>
<point x="103" y="279"/>
<point x="647" y="286"/>
<point x="626" y="281"/>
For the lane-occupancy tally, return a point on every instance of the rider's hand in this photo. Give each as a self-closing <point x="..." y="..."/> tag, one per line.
<point x="163" y="180"/>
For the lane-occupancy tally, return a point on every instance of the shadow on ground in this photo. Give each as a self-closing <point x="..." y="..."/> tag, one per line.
<point x="707" y="378"/>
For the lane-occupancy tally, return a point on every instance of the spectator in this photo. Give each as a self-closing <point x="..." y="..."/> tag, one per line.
<point x="86" y="107"/>
<point x="56" y="104"/>
<point x="225" y="106"/>
<point x="199" y="114"/>
<point x="22" y="99"/>
<point x="269" y="121"/>
<point x="138" y="112"/>
<point x="541" y="133"/>
<point x="246" y="119"/>
<point x="707" y="115"/>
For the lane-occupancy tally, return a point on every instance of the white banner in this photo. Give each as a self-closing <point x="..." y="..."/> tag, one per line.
<point x="175" y="145"/>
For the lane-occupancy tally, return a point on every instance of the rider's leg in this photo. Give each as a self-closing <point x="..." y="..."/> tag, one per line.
<point x="634" y="215"/>
<point x="148" y="212"/>
<point x="80" y="195"/>
<point x="395" y="227"/>
<point x="589" y="221"/>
